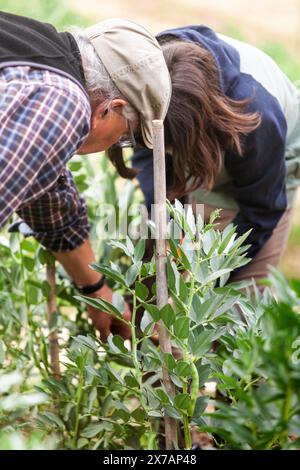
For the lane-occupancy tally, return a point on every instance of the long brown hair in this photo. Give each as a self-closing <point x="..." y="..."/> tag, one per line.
<point x="202" y="123"/>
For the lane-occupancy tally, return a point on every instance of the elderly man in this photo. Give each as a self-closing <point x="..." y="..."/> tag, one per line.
<point x="67" y="93"/>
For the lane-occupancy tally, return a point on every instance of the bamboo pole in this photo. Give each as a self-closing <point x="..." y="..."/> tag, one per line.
<point x="51" y="309"/>
<point x="160" y="216"/>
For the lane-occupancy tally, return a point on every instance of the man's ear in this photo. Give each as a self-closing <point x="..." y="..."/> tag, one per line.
<point x="118" y="105"/>
<point x="98" y="113"/>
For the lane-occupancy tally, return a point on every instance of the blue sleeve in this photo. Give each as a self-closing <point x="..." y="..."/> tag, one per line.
<point x="259" y="177"/>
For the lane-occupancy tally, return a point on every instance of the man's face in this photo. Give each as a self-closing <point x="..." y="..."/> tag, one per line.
<point x="107" y="127"/>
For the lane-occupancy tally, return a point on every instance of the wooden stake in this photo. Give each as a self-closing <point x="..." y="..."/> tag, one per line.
<point x="160" y="216"/>
<point x="51" y="308"/>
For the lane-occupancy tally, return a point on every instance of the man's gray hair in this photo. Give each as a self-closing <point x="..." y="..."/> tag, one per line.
<point x="99" y="84"/>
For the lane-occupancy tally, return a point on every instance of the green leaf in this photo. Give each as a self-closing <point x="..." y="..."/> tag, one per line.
<point x="228" y="235"/>
<point x="183" y="291"/>
<point x="109" y="272"/>
<point x="201" y="311"/>
<point x="163" y="397"/>
<point x="117" y="344"/>
<point x="190" y="220"/>
<point x="92" y="371"/>
<point x="116" y="374"/>
<point x="202" y="272"/>
<point x="147" y="323"/>
<point x="139" y="250"/>
<point x="92" y="430"/>
<point x="44" y="256"/>
<point x="174" y="248"/>
<point x="208" y="241"/>
<point x="46" y="289"/>
<point x="121" y="246"/>
<point x="176" y="381"/>
<point x="182" y="401"/>
<point x="54" y="419"/>
<point x="154" y="414"/>
<point x="141" y="290"/>
<point x="118" y="302"/>
<point x="173" y="275"/>
<point x="217" y="274"/>
<point x="130" y="246"/>
<point x="167" y="315"/>
<point x="226" y="382"/>
<point x="139" y="415"/>
<point x="92" y="398"/>
<point x="240" y="241"/>
<point x="28" y="245"/>
<point x="74" y="165"/>
<point x="32" y="295"/>
<point x="183" y="369"/>
<point x="153" y="310"/>
<point x="181" y="327"/>
<point x="101" y="304"/>
<point x="131" y="275"/>
<point x="171" y="411"/>
<point x="169" y="360"/>
<point x="122" y="414"/>
<point x="86" y="341"/>
<point x="28" y="263"/>
<point x="203" y="372"/>
<point x="225" y="307"/>
<point x="82" y="442"/>
<point x="2" y="352"/>
<point x="131" y="381"/>
<point x="202" y="343"/>
<point x="184" y="259"/>
<point x="200" y="407"/>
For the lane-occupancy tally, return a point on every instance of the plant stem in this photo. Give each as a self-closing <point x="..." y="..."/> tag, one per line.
<point x="285" y="415"/>
<point x="187" y="432"/>
<point x="31" y="324"/>
<point x="77" y="409"/>
<point x="186" y="357"/>
<point x="136" y="363"/>
<point x="134" y="343"/>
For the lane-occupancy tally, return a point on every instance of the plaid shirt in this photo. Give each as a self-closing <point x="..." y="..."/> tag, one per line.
<point x="44" y="118"/>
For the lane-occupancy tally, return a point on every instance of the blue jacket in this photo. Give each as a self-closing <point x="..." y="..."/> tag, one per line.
<point x="256" y="184"/>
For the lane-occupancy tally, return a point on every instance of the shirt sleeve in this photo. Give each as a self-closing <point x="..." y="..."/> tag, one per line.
<point x="41" y="128"/>
<point x="259" y="176"/>
<point x="59" y="217"/>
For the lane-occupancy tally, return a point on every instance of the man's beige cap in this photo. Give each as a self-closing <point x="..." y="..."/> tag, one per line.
<point x="135" y="62"/>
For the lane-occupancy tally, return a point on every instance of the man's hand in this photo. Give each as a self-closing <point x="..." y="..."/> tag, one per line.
<point x="106" y="323"/>
<point x="76" y="263"/>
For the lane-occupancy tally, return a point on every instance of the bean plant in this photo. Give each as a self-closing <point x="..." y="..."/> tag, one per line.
<point x="198" y="266"/>
<point x="111" y="395"/>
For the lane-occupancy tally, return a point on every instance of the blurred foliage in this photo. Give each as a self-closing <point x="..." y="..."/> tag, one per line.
<point x="60" y="14"/>
<point x="56" y="12"/>
<point x="284" y="59"/>
<point x="278" y="51"/>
